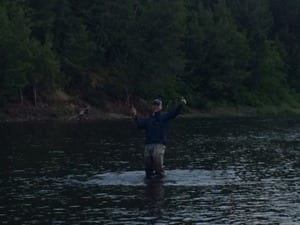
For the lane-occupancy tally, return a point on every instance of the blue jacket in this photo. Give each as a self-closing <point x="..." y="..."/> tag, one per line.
<point x="156" y="125"/>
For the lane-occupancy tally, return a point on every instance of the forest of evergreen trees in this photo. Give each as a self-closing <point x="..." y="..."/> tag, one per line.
<point x="222" y="52"/>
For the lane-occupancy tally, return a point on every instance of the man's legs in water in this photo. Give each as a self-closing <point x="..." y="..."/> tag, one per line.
<point x="148" y="160"/>
<point x="154" y="160"/>
<point x="158" y="159"/>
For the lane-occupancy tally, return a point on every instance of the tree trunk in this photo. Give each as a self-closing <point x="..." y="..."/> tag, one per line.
<point x="21" y="96"/>
<point x="34" y="95"/>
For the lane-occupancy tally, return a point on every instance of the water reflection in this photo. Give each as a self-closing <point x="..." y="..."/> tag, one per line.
<point x="219" y="171"/>
<point x="154" y="198"/>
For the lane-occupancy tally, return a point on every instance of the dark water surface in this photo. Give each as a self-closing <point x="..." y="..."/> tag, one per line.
<point x="219" y="171"/>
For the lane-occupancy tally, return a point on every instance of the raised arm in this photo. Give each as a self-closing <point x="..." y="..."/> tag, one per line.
<point x="172" y="114"/>
<point x="140" y="122"/>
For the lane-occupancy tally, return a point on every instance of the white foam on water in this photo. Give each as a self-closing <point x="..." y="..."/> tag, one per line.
<point x="172" y="178"/>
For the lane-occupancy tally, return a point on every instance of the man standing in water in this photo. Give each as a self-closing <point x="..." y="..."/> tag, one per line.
<point x="155" y="126"/>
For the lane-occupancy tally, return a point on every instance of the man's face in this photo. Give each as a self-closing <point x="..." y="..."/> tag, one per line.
<point x="156" y="107"/>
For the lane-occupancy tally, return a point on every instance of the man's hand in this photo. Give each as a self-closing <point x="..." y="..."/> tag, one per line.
<point x="183" y="100"/>
<point x="133" y="110"/>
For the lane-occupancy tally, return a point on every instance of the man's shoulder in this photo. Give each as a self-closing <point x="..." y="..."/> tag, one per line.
<point x="164" y="114"/>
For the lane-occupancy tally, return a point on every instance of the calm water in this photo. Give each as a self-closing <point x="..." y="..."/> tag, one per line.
<point x="219" y="171"/>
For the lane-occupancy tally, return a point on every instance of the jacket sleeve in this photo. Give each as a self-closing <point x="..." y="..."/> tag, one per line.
<point x="172" y="114"/>
<point x="140" y="123"/>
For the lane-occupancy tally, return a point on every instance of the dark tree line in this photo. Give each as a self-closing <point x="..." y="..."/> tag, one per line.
<point x="228" y="52"/>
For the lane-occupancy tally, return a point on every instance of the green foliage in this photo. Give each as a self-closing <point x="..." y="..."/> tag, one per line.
<point x="45" y="70"/>
<point x="14" y="49"/>
<point x="273" y="75"/>
<point x="221" y="52"/>
<point x="24" y="62"/>
<point x="218" y="66"/>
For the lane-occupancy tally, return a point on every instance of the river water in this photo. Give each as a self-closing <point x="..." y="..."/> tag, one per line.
<point x="218" y="171"/>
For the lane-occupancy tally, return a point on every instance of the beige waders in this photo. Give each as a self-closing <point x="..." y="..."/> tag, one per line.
<point x="154" y="160"/>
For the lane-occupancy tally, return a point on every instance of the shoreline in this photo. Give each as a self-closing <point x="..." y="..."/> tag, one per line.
<point x="58" y="113"/>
